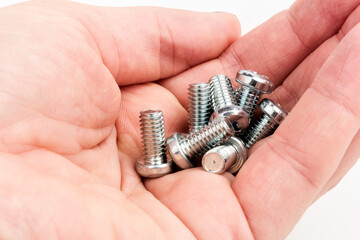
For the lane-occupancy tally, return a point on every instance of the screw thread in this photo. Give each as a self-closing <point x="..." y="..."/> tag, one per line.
<point x="261" y="129"/>
<point x="200" y="106"/>
<point x="237" y="93"/>
<point x="213" y="134"/>
<point x="153" y="136"/>
<point x="222" y="93"/>
<point x="248" y="98"/>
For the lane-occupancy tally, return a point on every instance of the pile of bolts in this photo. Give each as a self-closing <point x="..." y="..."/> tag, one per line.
<point x="220" y="132"/>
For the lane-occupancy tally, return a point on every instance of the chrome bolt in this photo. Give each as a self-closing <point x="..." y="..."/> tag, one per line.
<point x="183" y="149"/>
<point x="227" y="157"/>
<point x="199" y="106"/>
<point x="224" y="102"/>
<point x="252" y="86"/>
<point x="273" y="115"/>
<point x="154" y="163"/>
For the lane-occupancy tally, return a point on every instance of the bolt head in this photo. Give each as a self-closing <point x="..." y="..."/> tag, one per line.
<point x="176" y="153"/>
<point x="241" y="153"/>
<point x="273" y="109"/>
<point x="237" y="116"/>
<point x="254" y="80"/>
<point x="153" y="171"/>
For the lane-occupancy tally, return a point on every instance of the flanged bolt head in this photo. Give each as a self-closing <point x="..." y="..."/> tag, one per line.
<point x="227" y="157"/>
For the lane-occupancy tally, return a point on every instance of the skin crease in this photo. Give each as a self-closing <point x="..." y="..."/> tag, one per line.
<point x="73" y="79"/>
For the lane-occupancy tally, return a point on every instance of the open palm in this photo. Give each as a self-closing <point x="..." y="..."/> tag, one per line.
<point x="69" y="136"/>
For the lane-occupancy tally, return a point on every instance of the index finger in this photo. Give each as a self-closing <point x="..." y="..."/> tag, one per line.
<point x="275" y="48"/>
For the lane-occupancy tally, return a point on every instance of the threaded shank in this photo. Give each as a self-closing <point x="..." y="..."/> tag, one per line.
<point x="153" y="136"/>
<point x="213" y="134"/>
<point x="219" y="159"/>
<point x="200" y="106"/>
<point x="248" y="98"/>
<point x="261" y="129"/>
<point x="222" y="93"/>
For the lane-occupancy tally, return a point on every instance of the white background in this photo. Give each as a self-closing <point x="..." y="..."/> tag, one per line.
<point x="337" y="214"/>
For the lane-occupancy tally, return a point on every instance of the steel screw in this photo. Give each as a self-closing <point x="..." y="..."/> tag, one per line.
<point x="153" y="136"/>
<point x="199" y="106"/>
<point x="252" y="86"/>
<point x="228" y="157"/>
<point x="273" y="115"/>
<point x="224" y="102"/>
<point x="183" y="149"/>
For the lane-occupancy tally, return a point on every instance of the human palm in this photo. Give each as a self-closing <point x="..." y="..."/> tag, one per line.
<point x="70" y="136"/>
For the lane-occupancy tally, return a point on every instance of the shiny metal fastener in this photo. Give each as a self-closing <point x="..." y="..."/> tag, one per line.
<point x="252" y="86"/>
<point x="183" y="149"/>
<point x="154" y="163"/>
<point x="199" y="106"/>
<point x="273" y="116"/>
<point x="224" y="102"/>
<point x="227" y="157"/>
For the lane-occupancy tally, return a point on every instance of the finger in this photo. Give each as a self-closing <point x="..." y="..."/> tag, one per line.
<point x="301" y="78"/>
<point x="148" y="43"/>
<point x="160" y="213"/>
<point x="306" y="149"/>
<point x="204" y="202"/>
<point x="275" y="48"/>
<point x="143" y="44"/>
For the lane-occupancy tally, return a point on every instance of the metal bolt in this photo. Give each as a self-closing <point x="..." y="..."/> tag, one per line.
<point x="273" y="115"/>
<point x="183" y="149"/>
<point x="199" y="106"/>
<point x="252" y="86"/>
<point x="154" y="163"/>
<point x="228" y="157"/>
<point x="224" y="102"/>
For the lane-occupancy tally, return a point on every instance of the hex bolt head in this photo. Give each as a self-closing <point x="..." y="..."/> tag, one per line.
<point x="184" y="149"/>
<point x="227" y="157"/>
<point x="224" y="102"/>
<point x="253" y="85"/>
<point x="154" y="163"/>
<point x="273" y="115"/>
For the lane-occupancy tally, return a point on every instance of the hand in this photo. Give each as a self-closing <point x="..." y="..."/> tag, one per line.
<point x="70" y="137"/>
